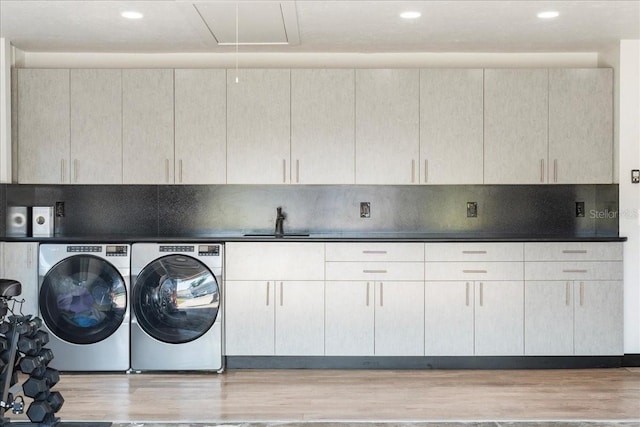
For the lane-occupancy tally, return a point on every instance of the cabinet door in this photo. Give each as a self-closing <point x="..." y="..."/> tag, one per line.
<point x="598" y="318"/>
<point x="322" y="126"/>
<point x="581" y="126"/>
<point x="349" y="319"/>
<point x="250" y="318"/>
<point x="96" y="127"/>
<point x="258" y="126"/>
<point x="21" y="264"/>
<point x="515" y="126"/>
<point x="448" y="326"/>
<point x="147" y="126"/>
<point x="499" y="318"/>
<point x="451" y="114"/>
<point x="387" y="126"/>
<point x="548" y="318"/>
<point x="201" y="126"/>
<point x="43" y="126"/>
<point x="300" y="318"/>
<point x="399" y="319"/>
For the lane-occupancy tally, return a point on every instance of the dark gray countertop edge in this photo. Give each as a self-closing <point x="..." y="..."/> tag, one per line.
<point x="315" y="238"/>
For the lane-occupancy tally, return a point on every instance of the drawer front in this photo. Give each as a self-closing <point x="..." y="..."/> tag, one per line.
<point x="274" y="261"/>
<point x="378" y="271"/>
<point x="375" y="252"/>
<point x="474" y="252"/>
<point x="573" y="251"/>
<point x="596" y="270"/>
<point x="442" y="271"/>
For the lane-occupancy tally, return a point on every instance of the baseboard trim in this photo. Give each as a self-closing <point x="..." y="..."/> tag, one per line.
<point x="444" y="362"/>
<point x="631" y="360"/>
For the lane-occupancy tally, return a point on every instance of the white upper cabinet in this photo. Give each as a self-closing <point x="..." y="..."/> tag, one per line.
<point x="258" y="126"/>
<point x="96" y="127"/>
<point x="322" y="126"/>
<point x="451" y="114"/>
<point x="200" y="126"/>
<point x="147" y="126"/>
<point x="581" y="126"/>
<point x="387" y="126"/>
<point x="43" y="126"/>
<point x="515" y="126"/>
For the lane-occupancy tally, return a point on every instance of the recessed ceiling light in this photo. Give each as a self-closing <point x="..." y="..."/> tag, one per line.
<point x="131" y="14"/>
<point x="549" y="14"/>
<point x="410" y="15"/>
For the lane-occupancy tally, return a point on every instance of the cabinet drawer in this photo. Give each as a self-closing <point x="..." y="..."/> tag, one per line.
<point x="442" y="271"/>
<point x="474" y="252"/>
<point x="375" y="252"/>
<point x="274" y="261"/>
<point x="573" y="251"/>
<point x="375" y="271"/>
<point x="597" y="270"/>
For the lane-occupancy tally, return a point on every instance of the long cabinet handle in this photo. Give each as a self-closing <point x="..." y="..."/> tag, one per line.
<point x="166" y="170"/>
<point x="298" y="171"/>
<point x="374" y="252"/>
<point x="481" y="294"/>
<point x="62" y="171"/>
<point x="268" y="286"/>
<point x="281" y="294"/>
<point x="474" y="252"/>
<point x="180" y="170"/>
<point x="542" y="170"/>
<point x="474" y="271"/>
<point x="467" y="293"/>
<point x="75" y="170"/>
<point x="368" y="293"/>
<point x="381" y="294"/>
<point x="568" y="293"/>
<point x="426" y="171"/>
<point x="581" y="294"/>
<point x="574" y="251"/>
<point x="374" y="271"/>
<point x="575" y="271"/>
<point x="413" y="171"/>
<point x="284" y="171"/>
<point x="555" y="170"/>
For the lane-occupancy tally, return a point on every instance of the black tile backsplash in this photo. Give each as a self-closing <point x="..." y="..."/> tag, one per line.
<point x="201" y="210"/>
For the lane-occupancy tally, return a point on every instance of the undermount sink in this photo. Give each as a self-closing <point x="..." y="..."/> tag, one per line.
<point x="276" y="235"/>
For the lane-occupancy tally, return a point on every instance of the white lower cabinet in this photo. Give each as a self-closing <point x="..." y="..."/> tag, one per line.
<point x="399" y="319"/>
<point x="21" y="264"/>
<point x="349" y="319"/>
<point x="548" y="318"/>
<point x="499" y="318"/>
<point x="250" y="318"/>
<point x="598" y="318"/>
<point x="299" y="325"/>
<point x="448" y="313"/>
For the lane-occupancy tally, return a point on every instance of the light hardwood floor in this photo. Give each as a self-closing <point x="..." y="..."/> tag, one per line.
<point x="323" y="395"/>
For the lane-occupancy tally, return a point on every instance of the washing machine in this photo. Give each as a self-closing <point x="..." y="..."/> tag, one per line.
<point x="83" y="303"/>
<point x="176" y="315"/>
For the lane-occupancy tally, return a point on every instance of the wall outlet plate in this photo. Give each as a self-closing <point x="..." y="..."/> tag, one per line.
<point x="579" y="209"/>
<point x="635" y="176"/>
<point x="472" y="209"/>
<point x="59" y="209"/>
<point x="365" y="210"/>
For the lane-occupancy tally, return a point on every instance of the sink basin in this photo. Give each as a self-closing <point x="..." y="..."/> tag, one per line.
<point x="274" y="235"/>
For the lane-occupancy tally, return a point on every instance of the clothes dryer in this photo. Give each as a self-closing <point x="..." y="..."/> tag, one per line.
<point x="176" y="316"/>
<point x="83" y="303"/>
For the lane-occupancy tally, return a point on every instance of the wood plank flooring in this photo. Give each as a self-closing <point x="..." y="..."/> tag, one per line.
<point x="330" y="395"/>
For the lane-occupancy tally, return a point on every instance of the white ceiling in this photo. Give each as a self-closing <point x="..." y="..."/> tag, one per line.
<point x="172" y="26"/>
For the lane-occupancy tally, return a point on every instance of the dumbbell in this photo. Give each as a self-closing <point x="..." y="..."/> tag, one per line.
<point x="26" y="325"/>
<point x="56" y="401"/>
<point x="40" y="411"/>
<point x="36" y="365"/>
<point x="52" y="376"/>
<point x="4" y="327"/>
<point x="32" y="343"/>
<point x="4" y="344"/>
<point x="36" y="388"/>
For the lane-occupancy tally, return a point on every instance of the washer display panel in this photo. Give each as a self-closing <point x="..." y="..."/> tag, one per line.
<point x="83" y="299"/>
<point x="176" y="299"/>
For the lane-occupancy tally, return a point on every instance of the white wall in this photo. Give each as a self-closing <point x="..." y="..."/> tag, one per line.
<point x="629" y="135"/>
<point x="5" y="110"/>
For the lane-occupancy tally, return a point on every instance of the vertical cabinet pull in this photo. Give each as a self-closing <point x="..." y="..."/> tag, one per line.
<point x="297" y="171"/>
<point x="284" y="171"/>
<point x="481" y="294"/>
<point x="62" y="171"/>
<point x="581" y="294"/>
<point x="268" y="293"/>
<point x="368" y="285"/>
<point x="75" y="170"/>
<point x="166" y="170"/>
<point x="555" y="170"/>
<point x="413" y="171"/>
<point x="467" y="294"/>
<point x="281" y="294"/>
<point x="542" y="170"/>
<point x="426" y="171"/>
<point x="381" y="294"/>
<point x="568" y="294"/>
<point x="180" y="170"/>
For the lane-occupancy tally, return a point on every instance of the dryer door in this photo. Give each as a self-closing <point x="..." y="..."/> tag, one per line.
<point x="176" y="299"/>
<point x="83" y="299"/>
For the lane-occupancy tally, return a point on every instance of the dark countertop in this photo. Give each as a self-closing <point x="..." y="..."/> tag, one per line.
<point x="223" y="237"/>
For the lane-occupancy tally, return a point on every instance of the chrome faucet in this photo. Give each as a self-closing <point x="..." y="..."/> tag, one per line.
<point x="280" y="217"/>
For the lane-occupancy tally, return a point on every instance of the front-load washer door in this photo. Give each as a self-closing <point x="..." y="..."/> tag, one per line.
<point x="83" y="299"/>
<point x="176" y="299"/>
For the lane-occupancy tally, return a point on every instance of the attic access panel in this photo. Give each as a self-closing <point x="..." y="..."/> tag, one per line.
<point x="259" y="23"/>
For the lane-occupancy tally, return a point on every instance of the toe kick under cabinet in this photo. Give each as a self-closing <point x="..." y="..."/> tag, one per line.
<point x="573" y="299"/>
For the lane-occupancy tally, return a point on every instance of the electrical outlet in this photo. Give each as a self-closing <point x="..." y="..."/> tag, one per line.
<point x="365" y="210"/>
<point x="635" y="176"/>
<point x="59" y="209"/>
<point x="579" y="209"/>
<point x="472" y="209"/>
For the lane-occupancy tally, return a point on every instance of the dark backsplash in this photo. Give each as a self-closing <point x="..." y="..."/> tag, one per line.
<point x="201" y="210"/>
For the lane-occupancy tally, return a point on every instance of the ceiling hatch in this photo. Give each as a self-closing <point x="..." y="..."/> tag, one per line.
<point x="258" y="23"/>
